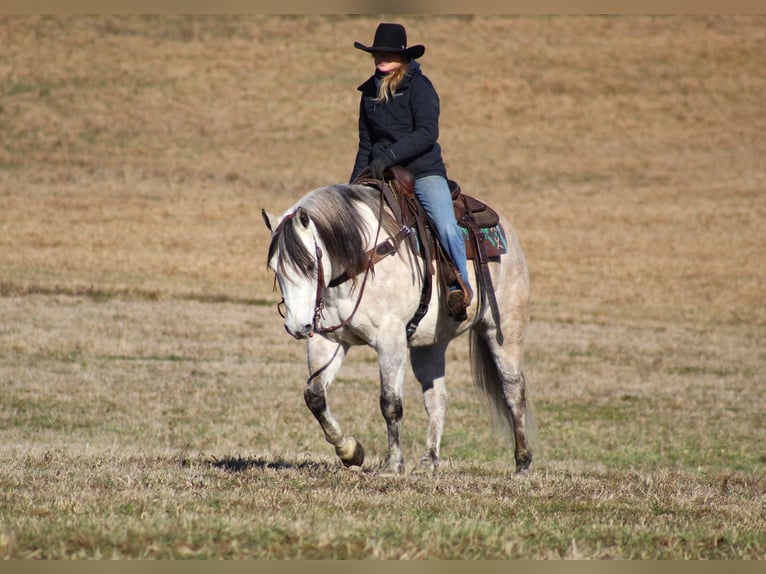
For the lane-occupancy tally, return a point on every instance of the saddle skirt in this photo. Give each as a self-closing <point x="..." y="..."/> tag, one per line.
<point x="487" y="220"/>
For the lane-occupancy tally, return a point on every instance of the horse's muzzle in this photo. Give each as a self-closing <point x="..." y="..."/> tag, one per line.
<point x="304" y="333"/>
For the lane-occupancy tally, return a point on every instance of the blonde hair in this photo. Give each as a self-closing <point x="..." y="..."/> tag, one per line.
<point x="390" y="83"/>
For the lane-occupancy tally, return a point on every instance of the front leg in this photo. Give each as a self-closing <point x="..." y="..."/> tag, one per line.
<point x="325" y="359"/>
<point x="429" y="365"/>
<point x="392" y="362"/>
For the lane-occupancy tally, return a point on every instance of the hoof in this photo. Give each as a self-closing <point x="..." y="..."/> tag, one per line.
<point x="522" y="466"/>
<point x="391" y="468"/>
<point x="426" y="467"/>
<point x="350" y="452"/>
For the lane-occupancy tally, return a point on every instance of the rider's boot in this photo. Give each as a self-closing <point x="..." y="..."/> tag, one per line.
<point x="458" y="299"/>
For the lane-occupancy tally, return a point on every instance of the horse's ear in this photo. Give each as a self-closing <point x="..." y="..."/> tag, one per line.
<point x="303" y="217"/>
<point x="268" y="218"/>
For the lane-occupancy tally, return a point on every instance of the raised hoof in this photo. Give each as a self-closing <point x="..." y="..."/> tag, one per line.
<point x="350" y="452"/>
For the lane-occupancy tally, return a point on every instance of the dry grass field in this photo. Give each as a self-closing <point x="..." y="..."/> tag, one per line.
<point x="151" y="403"/>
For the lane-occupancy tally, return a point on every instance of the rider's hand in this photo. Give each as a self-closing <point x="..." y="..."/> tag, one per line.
<point x="377" y="167"/>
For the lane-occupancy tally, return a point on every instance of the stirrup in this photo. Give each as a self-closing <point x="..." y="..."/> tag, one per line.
<point x="458" y="300"/>
<point x="456" y="305"/>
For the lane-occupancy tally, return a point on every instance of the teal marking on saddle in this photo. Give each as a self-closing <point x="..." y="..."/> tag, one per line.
<point x="494" y="235"/>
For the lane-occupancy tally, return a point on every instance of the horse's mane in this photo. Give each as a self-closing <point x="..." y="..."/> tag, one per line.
<point x="335" y="211"/>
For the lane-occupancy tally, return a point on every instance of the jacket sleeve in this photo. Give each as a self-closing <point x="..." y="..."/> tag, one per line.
<point x="365" y="143"/>
<point x="425" y="118"/>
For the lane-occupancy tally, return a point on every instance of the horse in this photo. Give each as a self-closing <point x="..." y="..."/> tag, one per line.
<point x="335" y="298"/>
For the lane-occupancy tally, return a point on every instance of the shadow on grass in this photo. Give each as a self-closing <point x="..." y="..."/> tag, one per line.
<point x="241" y="464"/>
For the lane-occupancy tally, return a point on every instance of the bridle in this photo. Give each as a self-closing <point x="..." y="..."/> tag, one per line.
<point x="381" y="250"/>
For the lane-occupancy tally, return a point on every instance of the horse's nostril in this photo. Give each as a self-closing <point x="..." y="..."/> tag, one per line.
<point x="306" y="331"/>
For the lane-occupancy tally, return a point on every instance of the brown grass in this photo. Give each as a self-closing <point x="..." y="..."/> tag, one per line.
<point x="150" y="401"/>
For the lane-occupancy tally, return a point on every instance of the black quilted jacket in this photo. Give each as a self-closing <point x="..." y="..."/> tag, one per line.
<point x="405" y="128"/>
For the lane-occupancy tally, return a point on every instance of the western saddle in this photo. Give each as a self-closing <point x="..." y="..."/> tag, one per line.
<point x="475" y="216"/>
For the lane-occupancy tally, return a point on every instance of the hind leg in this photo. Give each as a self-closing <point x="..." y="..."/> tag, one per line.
<point x="325" y="359"/>
<point x="428" y="364"/>
<point x="514" y="389"/>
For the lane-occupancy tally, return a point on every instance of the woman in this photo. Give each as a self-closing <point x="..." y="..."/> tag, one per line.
<point x="399" y="124"/>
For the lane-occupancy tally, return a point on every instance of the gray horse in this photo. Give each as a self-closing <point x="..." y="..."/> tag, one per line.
<point x="334" y="299"/>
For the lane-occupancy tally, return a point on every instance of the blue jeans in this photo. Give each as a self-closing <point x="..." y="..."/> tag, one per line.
<point x="433" y="193"/>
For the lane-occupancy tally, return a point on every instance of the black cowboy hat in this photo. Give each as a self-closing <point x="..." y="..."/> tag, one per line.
<point x="392" y="38"/>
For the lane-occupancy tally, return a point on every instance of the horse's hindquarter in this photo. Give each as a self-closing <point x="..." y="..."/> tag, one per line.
<point x="510" y="279"/>
<point x="512" y="275"/>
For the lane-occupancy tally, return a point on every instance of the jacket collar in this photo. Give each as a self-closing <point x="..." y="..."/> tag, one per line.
<point x="370" y="86"/>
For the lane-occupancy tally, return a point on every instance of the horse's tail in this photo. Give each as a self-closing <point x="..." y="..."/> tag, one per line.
<point x="489" y="385"/>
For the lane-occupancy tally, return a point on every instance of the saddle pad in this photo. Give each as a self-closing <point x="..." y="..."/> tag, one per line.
<point x="495" y="242"/>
